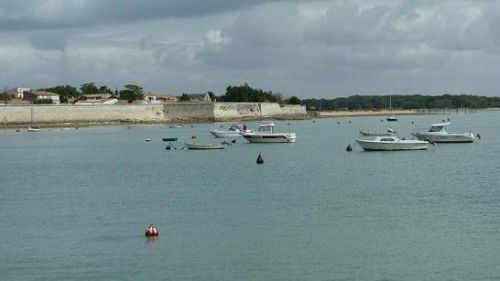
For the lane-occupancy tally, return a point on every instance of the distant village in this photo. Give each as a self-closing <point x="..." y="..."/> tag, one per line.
<point x="26" y="96"/>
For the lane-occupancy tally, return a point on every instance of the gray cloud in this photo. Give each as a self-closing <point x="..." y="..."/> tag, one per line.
<point x="303" y="48"/>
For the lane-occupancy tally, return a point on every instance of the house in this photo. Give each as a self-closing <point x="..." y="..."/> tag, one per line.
<point x="159" y="98"/>
<point x="41" y="95"/>
<point x="18" y="92"/>
<point x="205" y="97"/>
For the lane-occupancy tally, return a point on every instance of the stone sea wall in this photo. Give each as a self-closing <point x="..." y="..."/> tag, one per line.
<point x="59" y="114"/>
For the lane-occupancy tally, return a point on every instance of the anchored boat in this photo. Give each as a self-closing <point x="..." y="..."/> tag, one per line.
<point x="391" y="143"/>
<point x="438" y="133"/>
<point x="265" y="134"/>
<point x="203" y="145"/>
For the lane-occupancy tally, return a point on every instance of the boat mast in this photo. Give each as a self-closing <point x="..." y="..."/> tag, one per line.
<point x="31" y="119"/>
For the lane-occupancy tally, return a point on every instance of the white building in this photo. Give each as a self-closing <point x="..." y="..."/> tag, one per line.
<point x="18" y="92"/>
<point x="42" y="95"/>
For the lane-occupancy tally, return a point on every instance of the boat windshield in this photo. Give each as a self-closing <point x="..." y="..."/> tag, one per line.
<point x="266" y="128"/>
<point x="435" y="128"/>
<point x="386" y="139"/>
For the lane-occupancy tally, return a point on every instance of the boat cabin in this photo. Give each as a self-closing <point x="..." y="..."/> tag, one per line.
<point x="440" y="127"/>
<point x="266" y="128"/>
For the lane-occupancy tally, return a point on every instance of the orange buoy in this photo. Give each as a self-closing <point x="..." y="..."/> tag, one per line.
<point x="151" y="231"/>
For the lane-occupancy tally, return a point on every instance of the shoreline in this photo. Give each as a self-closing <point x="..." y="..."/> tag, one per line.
<point x="310" y="115"/>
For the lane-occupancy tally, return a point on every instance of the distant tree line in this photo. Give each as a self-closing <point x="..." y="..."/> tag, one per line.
<point x="369" y="102"/>
<point x="131" y="92"/>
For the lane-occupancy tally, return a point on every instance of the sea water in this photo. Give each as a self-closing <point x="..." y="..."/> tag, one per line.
<point x="74" y="204"/>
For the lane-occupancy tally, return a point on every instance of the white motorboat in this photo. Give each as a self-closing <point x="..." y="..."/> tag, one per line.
<point x="234" y="131"/>
<point x="391" y="143"/>
<point x="438" y="133"/>
<point x="389" y="132"/>
<point x="203" y="145"/>
<point x="265" y="134"/>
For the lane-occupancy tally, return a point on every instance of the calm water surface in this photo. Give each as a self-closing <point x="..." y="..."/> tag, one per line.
<point x="74" y="205"/>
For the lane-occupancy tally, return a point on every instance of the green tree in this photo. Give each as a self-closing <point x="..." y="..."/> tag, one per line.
<point x="89" y="88"/>
<point x="212" y="95"/>
<point x="131" y="93"/>
<point x="105" y="89"/>
<point x="245" y="93"/>
<point x="184" y="97"/>
<point x="43" y="101"/>
<point x="5" y="97"/>
<point x="294" y="100"/>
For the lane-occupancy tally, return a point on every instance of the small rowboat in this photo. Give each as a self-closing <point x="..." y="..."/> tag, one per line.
<point x="169" y="139"/>
<point x="200" y="145"/>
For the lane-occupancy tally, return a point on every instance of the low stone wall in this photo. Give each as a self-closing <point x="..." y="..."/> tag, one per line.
<point x="179" y="112"/>
<point x="224" y="111"/>
<point x="188" y="112"/>
<point x="294" y="110"/>
<point x="81" y="113"/>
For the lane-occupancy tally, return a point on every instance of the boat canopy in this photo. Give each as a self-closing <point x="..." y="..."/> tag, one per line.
<point x="266" y="127"/>
<point x="441" y="124"/>
<point x="438" y="127"/>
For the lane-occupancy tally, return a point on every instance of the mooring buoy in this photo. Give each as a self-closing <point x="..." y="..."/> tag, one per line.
<point x="348" y="148"/>
<point x="259" y="159"/>
<point x="168" y="147"/>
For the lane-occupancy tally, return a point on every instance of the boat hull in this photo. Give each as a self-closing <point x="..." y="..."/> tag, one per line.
<point x="446" y="137"/>
<point x="203" y="145"/>
<point x="371" y="145"/>
<point x="270" y="138"/>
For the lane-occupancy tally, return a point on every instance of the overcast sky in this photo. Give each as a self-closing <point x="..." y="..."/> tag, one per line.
<point x="304" y="48"/>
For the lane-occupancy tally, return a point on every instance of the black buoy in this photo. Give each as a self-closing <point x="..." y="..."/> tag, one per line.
<point x="233" y="141"/>
<point x="168" y="147"/>
<point x="412" y="122"/>
<point x="349" y="147"/>
<point x="478" y="136"/>
<point x="260" y="160"/>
